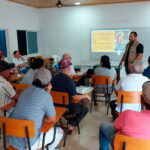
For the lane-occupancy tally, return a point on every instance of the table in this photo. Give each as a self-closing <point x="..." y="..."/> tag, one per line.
<point x="83" y="90"/>
<point x="59" y="112"/>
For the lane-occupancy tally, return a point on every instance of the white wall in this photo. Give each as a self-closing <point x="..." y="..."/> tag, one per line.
<point x="17" y="17"/>
<point x="68" y="29"/>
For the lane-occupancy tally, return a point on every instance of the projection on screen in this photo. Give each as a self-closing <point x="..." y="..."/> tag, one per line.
<point x="109" y="40"/>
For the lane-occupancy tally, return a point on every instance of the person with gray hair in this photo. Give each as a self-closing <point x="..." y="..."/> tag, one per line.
<point x="130" y="123"/>
<point x="131" y="82"/>
<point x="35" y="103"/>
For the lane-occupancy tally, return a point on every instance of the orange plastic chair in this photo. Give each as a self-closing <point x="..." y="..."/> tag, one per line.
<point x="128" y="97"/>
<point x="20" y="86"/>
<point x="123" y="142"/>
<point x="61" y="98"/>
<point x="101" y="80"/>
<point x="18" y="128"/>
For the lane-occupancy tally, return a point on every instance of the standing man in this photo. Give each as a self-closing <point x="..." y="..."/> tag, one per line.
<point x="134" y="51"/>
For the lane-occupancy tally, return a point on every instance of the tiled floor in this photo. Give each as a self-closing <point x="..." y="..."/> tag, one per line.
<point x="88" y="139"/>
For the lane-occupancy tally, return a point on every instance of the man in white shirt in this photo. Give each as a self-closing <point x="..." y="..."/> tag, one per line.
<point x="131" y="82"/>
<point x="19" y="62"/>
<point x="7" y="93"/>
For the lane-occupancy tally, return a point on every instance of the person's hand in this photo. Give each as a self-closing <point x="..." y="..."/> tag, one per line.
<point x="45" y="120"/>
<point x="120" y="64"/>
<point x="88" y="98"/>
<point x="48" y="87"/>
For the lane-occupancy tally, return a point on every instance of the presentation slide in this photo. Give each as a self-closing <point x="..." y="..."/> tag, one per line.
<point x="114" y="40"/>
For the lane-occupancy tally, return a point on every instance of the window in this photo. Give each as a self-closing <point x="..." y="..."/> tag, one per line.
<point x="27" y="42"/>
<point x="3" y="46"/>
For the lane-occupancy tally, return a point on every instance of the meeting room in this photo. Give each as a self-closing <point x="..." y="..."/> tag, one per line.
<point x="74" y="74"/>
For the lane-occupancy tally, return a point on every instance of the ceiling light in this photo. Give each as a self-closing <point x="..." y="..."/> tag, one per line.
<point x="77" y="3"/>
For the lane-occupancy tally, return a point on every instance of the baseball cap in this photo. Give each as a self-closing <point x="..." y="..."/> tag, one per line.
<point x="5" y="66"/>
<point x="64" y="63"/>
<point x="44" y="75"/>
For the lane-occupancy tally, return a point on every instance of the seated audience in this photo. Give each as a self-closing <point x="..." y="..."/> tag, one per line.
<point x="35" y="103"/>
<point x="131" y="82"/>
<point x="63" y="83"/>
<point x="104" y="70"/>
<point x="7" y="93"/>
<point x="147" y="70"/>
<point x="129" y="122"/>
<point x="19" y="62"/>
<point x="35" y="64"/>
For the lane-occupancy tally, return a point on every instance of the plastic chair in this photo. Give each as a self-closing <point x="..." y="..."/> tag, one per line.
<point x="18" y="128"/>
<point x="105" y="81"/>
<point x="128" y="97"/>
<point x="123" y="142"/>
<point x="62" y="98"/>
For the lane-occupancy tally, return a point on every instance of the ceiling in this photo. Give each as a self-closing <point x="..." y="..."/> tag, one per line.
<point x="52" y="3"/>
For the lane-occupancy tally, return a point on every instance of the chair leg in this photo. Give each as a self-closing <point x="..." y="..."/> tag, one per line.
<point x="78" y="129"/>
<point x="65" y="135"/>
<point x="108" y="100"/>
<point x="78" y="125"/>
<point x="93" y="97"/>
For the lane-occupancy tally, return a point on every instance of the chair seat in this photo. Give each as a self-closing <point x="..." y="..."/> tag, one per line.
<point x="11" y="148"/>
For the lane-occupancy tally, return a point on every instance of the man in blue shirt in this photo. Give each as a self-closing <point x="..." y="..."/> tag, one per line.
<point x="36" y="104"/>
<point x="63" y="83"/>
<point x="147" y="70"/>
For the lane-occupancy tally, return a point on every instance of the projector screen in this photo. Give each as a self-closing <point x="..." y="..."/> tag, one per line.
<point x="111" y="42"/>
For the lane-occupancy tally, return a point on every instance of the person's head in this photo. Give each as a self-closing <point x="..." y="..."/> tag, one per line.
<point x="37" y="63"/>
<point x="67" y="56"/>
<point x="42" y="79"/>
<point x="149" y="60"/>
<point x="16" y="54"/>
<point x="133" y="37"/>
<point x="5" y="69"/>
<point x="137" y="67"/>
<point x="146" y="94"/>
<point x="64" y="66"/>
<point x="105" y="62"/>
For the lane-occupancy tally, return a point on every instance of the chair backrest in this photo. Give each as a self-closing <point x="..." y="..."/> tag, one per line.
<point x="61" y="98"/>
<point x="20" y="86"/>
<point x="17" y="127"/>
<point x="123" y="142"/>
<point x="100" y="80"/>
<point x="129" y="97"/>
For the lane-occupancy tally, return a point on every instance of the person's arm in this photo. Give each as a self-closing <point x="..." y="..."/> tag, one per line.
<point x="16" y="96"/>
<point x="22" y="58"/>
<point x="49" y="119"/>
<point x="121" y="120"/>
<point x="50" y="114"/>
<point x="118" y="87"/>
<point x="80" y="97"/>
<point x="139" y="56"/>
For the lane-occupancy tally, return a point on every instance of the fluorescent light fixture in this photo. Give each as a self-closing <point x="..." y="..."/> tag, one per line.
<point x="77" y="3"/>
